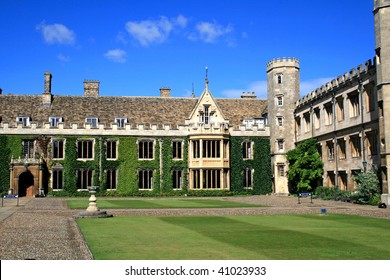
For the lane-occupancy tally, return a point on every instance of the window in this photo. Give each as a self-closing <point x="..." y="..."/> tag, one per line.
<point x="306" y="117"/>
<point x="177" y="150"/>
<point x="145" y="179"/>
<point x="58" y="149"/>
<point x="211" y="179"/>
<point x="177" y="177"/>
<point x="111" y="149"/>
<point x="111" y="179"/>
<point x="247" y="150"/>
<point x="248" y="178"/>
<point x="211" y="149"/>
<point x="24" y="120"/>
<point x="195" y="148"/>
<point x="280" y="100"/>
<point x="280" y="144"/>
<point x="372" y="143"/>
<point x="281" y="171"/>
<point x="355" y="146"/>
<point x="370" y="99"/>
<point x="84" y="179"/>
<point x="354" y="105"/>
<point x="57" y="179"/>
<point x="28" y="148"/>
<point x="145" y="149"/>
<point x="279" y="79"/>
<point x="205" y="116"/>
<point x="54" y="121"/>
<point x="331" y="178"/>
<point x="340" y="109"/>
<point x="93" y="121"/>
<point x="341" y="148"/>
<point x="328" y="114"/>
<point x="121" y="122"/>
<point x="85" y="149"/>
<point x="317" y="118"/>
<point x="330" y="150"/>
<point x="298" y="125"/>
<point x="343" y="180"/>
<point x="196" y="179"/>
<point x="280" y="121"/>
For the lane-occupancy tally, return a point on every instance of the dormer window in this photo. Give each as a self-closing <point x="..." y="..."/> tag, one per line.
<point x="93" y="121"/>
<point x="205" y="116"/>
<point x="121" y="122"/>
<point x="54" y="121"/>
<point x="24" y="120"/>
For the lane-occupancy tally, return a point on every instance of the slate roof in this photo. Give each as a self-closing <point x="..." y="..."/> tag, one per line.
<point x="138" y="110"/>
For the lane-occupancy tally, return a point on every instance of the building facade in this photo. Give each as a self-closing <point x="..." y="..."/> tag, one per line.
<point x="162" y="144"/>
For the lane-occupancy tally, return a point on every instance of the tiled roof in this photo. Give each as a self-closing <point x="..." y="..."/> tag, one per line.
<point x="138" y="110"/>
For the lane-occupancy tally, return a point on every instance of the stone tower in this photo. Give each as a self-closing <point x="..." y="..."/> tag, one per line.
<point x="382" y="39"/>
<point x="283" y="93"/>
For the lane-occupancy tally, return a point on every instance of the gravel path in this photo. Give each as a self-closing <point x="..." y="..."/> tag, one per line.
<point x="44" y="228"/>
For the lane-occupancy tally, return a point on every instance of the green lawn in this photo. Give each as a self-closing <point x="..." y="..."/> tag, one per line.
<point x="276" y="237"/>
<point x="159" y="203"/>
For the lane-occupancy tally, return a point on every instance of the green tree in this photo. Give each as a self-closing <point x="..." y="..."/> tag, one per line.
<point x="305" y="166"/>
<point x="367" y="187"/>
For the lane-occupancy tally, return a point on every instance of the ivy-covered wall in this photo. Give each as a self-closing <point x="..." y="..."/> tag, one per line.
<point x="127" y="164"/>
<point x="261" y="163"/>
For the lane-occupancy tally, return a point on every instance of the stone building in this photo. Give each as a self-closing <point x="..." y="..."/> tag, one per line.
<point x="163" y="144"/>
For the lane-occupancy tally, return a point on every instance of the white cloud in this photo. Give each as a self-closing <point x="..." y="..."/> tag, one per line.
<point x="147" y="32"/>
<point x="63" y="58"/>
<point x="209" y="32"/>
<point x="260" y="88"/>
<point x="116" y="55"/>
<point x="56" y="33"/>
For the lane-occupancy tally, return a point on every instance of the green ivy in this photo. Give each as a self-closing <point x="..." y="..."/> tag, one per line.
<point x="261" y="163"/>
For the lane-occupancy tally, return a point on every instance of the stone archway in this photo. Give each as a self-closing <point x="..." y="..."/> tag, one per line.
<point x="26" y="184"/>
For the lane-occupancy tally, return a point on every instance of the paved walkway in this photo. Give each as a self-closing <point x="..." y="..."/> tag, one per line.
<point x="44" y="228"/>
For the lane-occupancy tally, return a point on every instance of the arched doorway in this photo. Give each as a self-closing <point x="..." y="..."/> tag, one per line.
<point x="26" y="184"/>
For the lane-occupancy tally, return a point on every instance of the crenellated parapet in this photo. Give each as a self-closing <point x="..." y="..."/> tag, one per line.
<point x="283" y="62"/>
<point x="36" y="128"/>
<point x="360" y="72"/>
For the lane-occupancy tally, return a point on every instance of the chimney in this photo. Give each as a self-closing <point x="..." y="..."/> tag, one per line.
<point x="48" y="77"/>
<point x="91" y="88"/>
<point x="165" y="92"/>
<point x="46" y="95"/>
<point x="248" y="95"/>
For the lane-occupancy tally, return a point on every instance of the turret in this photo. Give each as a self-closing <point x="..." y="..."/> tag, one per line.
<point x="283" y="93"/>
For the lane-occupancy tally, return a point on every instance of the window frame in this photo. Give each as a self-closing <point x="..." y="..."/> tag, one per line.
<point x="93" y="121"/>
<point x="60" y="150"/>
<point x="110" y="150"/>
<point x="54" y="121"/>
<point x="247" y="151"/>
<point x="92" y="141"/>
<point x="121" y="122"/>
<point x="148" y="152"/>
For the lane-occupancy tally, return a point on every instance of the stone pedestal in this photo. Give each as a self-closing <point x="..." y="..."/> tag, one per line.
<point x="93" y="211"/>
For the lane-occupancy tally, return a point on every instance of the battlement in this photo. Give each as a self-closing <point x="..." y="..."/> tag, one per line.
<point x="37" y="128"/>
<point x="283" y="62"/>
<point x="340" y="81"/>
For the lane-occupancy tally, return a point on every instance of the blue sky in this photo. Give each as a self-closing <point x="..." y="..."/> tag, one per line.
<point x="135" y="47"/>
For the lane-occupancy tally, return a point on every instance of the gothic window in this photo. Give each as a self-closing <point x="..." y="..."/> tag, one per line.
<point x="211" y="149"/>
<point x="58" y="149"/>
<point x="145" y="179"/>
<point x="340" y="109"/>
<point x="177" y="179"/>
<point x="28" y="148"/>
<point x="84" y="178"/>
<point x="355" y="146"/>
<point x="330" y="150"/>
<point x="341" y="148"/>
<point x="248" y="178"/>
<point x="111" y="179"/>
<point x="57" y="179"/>
<point x="247" y="150"/>
<point x="328" y="114"/>
<point x="354" y="105"/>
<point x="317" y="118"/>
<point x="111" y="149"/>
<point x="146" y="149"/>
<point x="85" y="149"/>
<point x="177" y="148"/>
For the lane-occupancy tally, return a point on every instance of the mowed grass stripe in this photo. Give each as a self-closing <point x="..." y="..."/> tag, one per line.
<point x="159" y="203"/>
<point x="238" y="237"/>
